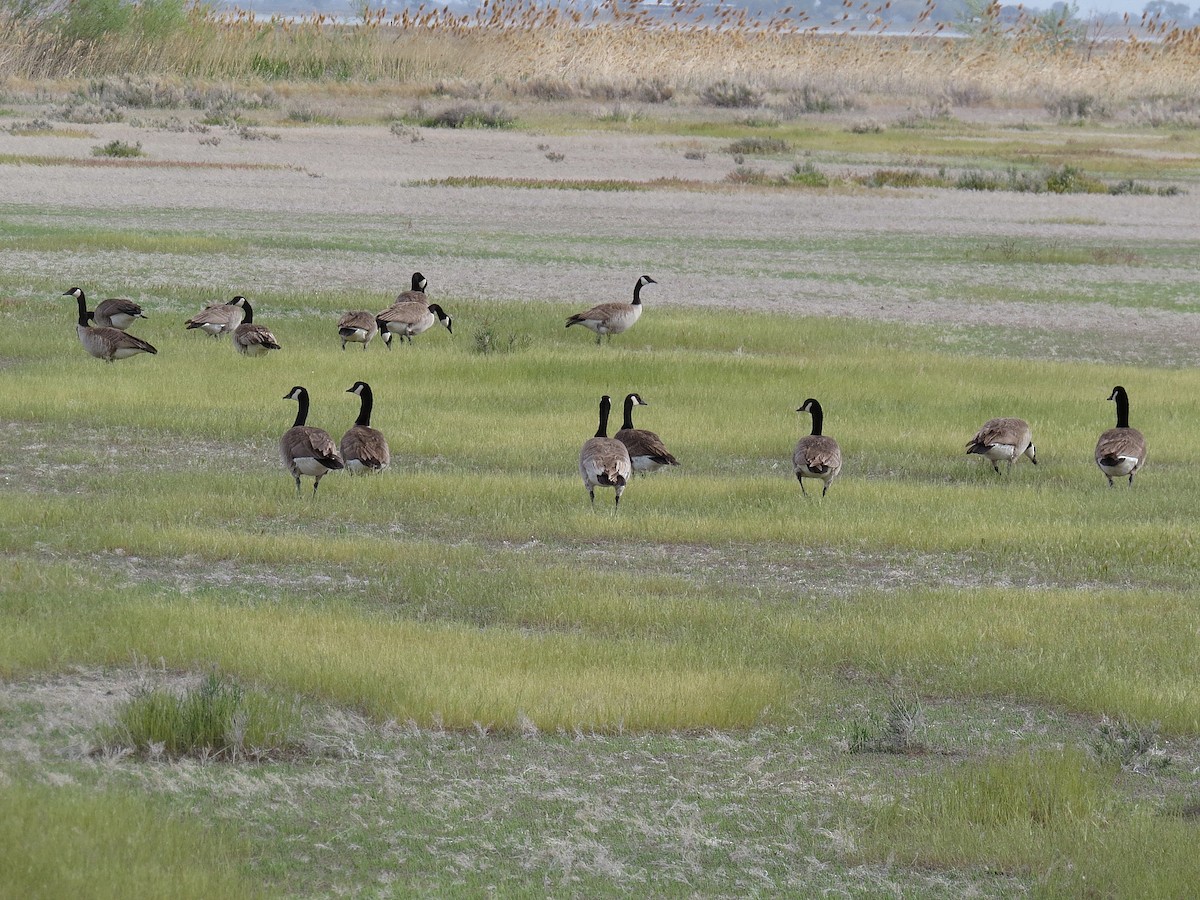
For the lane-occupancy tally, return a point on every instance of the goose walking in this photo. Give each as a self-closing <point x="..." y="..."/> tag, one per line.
<point x="604" y="461"/>
<point x="364" y="449"/>
<point x="358" y="327"/>
<point x="217" y="319"/>
<point x="112" y="313"/>
<point x="306" y="450"/>
<point x="412" y="318"/>
<point x="105" y="342"/>
<point x="816" y="455"/>
<point x="647" y="452"/>
<point x="613" y="318"/>
<point x="1121" y="451"/>
<point x="1006" y="438"/>
<point x="250" y="338"/>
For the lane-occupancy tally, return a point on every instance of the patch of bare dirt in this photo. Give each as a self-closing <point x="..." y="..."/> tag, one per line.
<point x="730" y="247"/>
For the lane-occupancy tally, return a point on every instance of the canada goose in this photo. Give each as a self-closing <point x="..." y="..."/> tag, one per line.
<point x="218" y="318"/>
<point x="306" y="450"/>
<point x="414" y="294"/>
<point x="1006" y="438"/>
<point x="359" y="326"/>
<point x="646" y="449"/>
<point x="113" y="313"/>
<point x="412" y="318"/>
<point x="364" y="449"/>
<point x="1122" y="450"/>
<point x="251" y="339"/>
<point x="103" y="342"/>
<point x="613" y="318"/>
<point x="816" y="456"/>
<point x="604" y="461"/>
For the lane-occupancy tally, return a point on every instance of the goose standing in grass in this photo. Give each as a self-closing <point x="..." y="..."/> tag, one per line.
<point x="105" y="342"/>
<point x="415" y="294"/>
<point x="251" y="339"/>
<point x="358" y="327"/>
<point x="217" y="319"/>
<point x="647" y="452"/>
<point x="112" y="313"/>
<point x="412" y="318"/>
<point x="613" y="318"/>
<point x="1006" y="438"/>
<point x="604" y="461"/>
<point x="1121" y="451"/>
<point x="816" y="455"/>
<point x="364" y="449"/>
<point x="306" y="450"/>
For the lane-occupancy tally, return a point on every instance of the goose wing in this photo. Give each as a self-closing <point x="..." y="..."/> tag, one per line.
<point x="255" y="335"/>
<point x="640" y="442"/>
<point x="1121" y="443"/>
<point x="605" y="461"/>
<point x="817" y="453"/>
<point x="367" y="445"/>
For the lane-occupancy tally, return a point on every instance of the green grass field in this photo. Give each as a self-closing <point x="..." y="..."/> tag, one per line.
<point x="504" y="689"/>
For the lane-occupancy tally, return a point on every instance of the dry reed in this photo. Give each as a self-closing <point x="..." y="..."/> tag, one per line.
<point x="514" y="42"/>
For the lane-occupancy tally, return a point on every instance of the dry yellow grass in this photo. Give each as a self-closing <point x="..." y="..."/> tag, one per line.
<point x="513" y="43"/>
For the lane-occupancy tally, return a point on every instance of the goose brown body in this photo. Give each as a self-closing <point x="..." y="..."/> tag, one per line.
<point x="358" y="326"/>
<point x="604" y="461"/>
<point x="1121" y="451"/>
<point x="646" y="450"/>
<point x="305" y="449"/>
<point x="364" y="449"/>
<point x="217" y="319"/>
<point x="112" y="313"/>
<point x="408" y="319"/>
<point x="816" y="455"/>
<point x="1006" y="438"/>
<point x="106" y="343"/>
<point x="250" y="338"/>
<point x="613" y="318"/>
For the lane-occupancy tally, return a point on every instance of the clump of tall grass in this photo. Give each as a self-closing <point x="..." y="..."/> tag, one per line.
<point x="467" y="116"/>
<point x="217" y="719"/>
<point x="117" y="149"/>
<point x="1076" y="108"/>
<point x="758" y="146"/>
<point x="813" y="99"/>
<point x="731" y="95"/>
<point x="896" y="733"/>
<point x="1129" y="744"/>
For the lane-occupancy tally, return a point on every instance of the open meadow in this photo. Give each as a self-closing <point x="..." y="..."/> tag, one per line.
<point x="457" y="678"/>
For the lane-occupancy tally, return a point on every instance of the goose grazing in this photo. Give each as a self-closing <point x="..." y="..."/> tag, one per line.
<point x="646" y="449"/>
<point x="613" y="318"/>
<point x="412" y="318"/>
<point x="250" y="339"/>
<point x="105" y="342"/>
<point x="306" y="450"/>
<point x="359" y="327"/>
<point x="113" y="313"/>
<point x="604" y="461"/>
<point x="1008" y="438"/>
<point x="1121" y="451"/>
<point x="218" y="318"/>
<point x="364" y="449"/>
<point x="816" y="456"/>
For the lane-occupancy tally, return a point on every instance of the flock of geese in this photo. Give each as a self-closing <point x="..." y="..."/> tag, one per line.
<point x="603" y="461"/>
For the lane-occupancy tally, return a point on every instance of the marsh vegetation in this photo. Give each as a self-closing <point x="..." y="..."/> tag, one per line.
<point x="455" y="677"/>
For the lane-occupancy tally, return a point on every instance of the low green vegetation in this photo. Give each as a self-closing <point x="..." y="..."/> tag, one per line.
<point x="71" y="841"/>
<point x="459" y="678"/>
